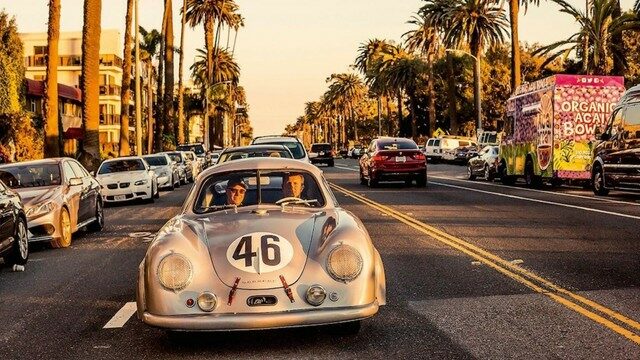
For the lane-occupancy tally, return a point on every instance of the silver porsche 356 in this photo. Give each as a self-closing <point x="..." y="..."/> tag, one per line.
<point x="260" y="244"/>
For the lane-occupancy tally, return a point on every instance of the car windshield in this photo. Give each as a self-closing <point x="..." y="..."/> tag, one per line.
<point x="27" y="176"/>
<point x="115" y="166"/>
<point x="320" y="147"/>
<point x="198" y="149"/>
<point x="246" y="188"/>
<point x="245" y="154"/>
<point x="175" y="157"/>
<point x="397" y="145"/>
<point x="156" y="160"/>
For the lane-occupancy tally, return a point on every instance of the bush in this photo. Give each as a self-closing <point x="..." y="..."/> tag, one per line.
<point x="19" y="138"/>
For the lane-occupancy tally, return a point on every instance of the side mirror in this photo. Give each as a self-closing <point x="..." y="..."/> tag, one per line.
<point x="75" y="181"/>
<point x="93" y="173"/>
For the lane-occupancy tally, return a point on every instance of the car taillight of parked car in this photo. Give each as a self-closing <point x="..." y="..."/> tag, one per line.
<point x="377" y="158"/>
<point x="420" y="156"/>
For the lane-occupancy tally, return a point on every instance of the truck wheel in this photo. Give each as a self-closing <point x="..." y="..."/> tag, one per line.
<point x="504" y="178"/>
<point x="533" y="181"/>
<point x="598" y="182"/>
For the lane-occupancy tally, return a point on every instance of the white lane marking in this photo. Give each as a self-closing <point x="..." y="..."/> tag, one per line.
<point x="122" y="316"/>
<point x="346" y="168"/>
<point x="535" y="190"/>
<point x="538" y="201"/>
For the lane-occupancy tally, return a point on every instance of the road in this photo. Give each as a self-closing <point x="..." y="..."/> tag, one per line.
<point x="474" y="270"/>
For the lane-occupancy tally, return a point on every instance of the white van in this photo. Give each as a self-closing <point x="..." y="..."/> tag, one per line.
<point x="448" y="147"/>
<point x="432" y="150"/>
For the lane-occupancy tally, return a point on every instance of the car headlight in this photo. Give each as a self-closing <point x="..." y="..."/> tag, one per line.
<point x="174" y="272"/>
<point x="140" y="182"/>
<point x="344" y="263"/>
<point x="40" y="209"/>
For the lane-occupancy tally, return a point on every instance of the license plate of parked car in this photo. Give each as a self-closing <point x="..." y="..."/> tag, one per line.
<point x="401" y="158"/>
<point x="120" y="197"/>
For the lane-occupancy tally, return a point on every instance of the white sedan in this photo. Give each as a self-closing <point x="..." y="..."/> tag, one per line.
<point x="127" y="178"/>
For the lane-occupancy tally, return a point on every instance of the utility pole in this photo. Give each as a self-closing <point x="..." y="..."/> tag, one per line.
<point x="138" y="95"/>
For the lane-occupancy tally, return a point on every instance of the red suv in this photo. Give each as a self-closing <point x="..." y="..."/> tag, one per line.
<point x="393" y="159"/>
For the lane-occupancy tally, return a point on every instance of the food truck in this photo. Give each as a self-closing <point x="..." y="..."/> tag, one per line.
<point x="551" y="127"/>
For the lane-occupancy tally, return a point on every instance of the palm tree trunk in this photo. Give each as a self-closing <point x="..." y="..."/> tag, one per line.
<point x="389" y="122"/>
<point x="168" y="71"/>
<point x="477" y="86"/>
<point x="209" y="34"/>
<point x="414" y="109"/>
<point x="181" y="124"/>
<point x="52" y="118"/>
<point x="125" y="95"/>
<point x="159" y="121"/>
<point x="90" y="86"/>
<point x="432" y="100"/>
<point x="515" y="44"/>
<point x="618" y="56"/>
<point x="150" y="107"/>
<point x="401" y="125"/>
<point x="451" y="90"/>
<point x="355" y="124"/>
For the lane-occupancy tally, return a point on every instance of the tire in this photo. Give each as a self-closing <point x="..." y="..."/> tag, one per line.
<point x="598" y="182"/>
<point x="531" y="179"/>
<point x="372" y="182"/>
<point x="487" y="173"/>
<point x="470" y="174"/>
<point x="99" y="223"/>
<point x="421" y="181"/>
<point x="504" y="178"/>
<point x="363" y="181"/>
<point x="156" y="195"/>
<point x="408" y="182"/>
<point x="20" y="250"/>
<point x="347" y="329"/>
<point x="173" y="184"/>
<point x="177" y="183"/>
<point x="65" y="229"/>
<point x="331" y="164"/>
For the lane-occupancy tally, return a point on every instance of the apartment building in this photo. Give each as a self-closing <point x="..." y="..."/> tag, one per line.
<point x="69" y="73"/>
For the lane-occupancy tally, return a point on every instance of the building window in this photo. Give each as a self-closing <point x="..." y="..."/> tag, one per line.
<point x="33" y="106"/>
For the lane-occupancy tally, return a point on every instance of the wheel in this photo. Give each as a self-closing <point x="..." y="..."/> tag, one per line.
<point x="178" y="184"/>
<point x="99" y="223"/>
<point x="20" y="251"/>
<point x="348" y="328"/>
<point x="408" y="182"/>
<point x="372" y="182"/>
<point x="152" y="197"/>
<point x="330" y="164"/>
<point x="470" y="175"/>
<point x="363" y="181"/>
<point x="65" y="231"/>
<point x="531" y="179"/>
<point x="421" y="181"/>
<point x="598" y="182"/>
<point x="487" y="173"/>
<point x="504" y="178"/>
<point x="173" y="185"/>
<point x="156" y="195"/>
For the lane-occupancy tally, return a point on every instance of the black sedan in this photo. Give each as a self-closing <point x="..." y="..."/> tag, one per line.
<point x="14" y="243"/>
<point x="484" y="164"/>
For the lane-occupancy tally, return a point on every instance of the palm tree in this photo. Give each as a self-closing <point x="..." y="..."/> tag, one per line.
<point x="52" y="120"/>
<point x="149" y="44"/>
<point x="180" y="71"/>
<point x="477" y="24"/>
<point x="346" y="91"/>
<point x="125" y="95"/>
<point x="90" y="150"/>
<point x="600" y="28"/>
<point x="424" y="39"/>
<point x="514" y="9"/>
<point x="389" y="56"/>
<point x="168" y="114"/>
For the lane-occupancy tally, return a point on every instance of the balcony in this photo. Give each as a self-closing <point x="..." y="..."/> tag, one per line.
<point x="110" y="90"/>
<point x="72" y="60"/>
<point x="109" y="119"/>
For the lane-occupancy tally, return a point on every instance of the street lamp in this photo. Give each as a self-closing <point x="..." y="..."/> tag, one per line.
<point x="477" y="90"/>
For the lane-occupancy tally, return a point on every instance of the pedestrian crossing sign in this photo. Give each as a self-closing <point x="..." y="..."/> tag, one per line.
<point x="438" y="133"/>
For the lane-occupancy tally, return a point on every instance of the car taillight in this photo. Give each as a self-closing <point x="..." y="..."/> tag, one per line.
<point x="377" y="158"/>
<point x="420" y="157"/>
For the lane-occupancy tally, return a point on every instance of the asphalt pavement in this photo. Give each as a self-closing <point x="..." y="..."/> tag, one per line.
<point x="474" y="270"/>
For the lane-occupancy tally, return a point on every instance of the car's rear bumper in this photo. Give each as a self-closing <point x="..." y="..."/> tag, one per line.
<point x="398" y="174"/>
<point x="321" y="160"/>
<point x="257" y="321"/>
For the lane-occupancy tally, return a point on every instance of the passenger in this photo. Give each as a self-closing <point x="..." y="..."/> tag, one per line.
<point x="236" y="189"/>
<point x="292" y="185"/>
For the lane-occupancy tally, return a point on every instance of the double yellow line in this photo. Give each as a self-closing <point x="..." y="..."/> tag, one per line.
<point x="608" y="318"/>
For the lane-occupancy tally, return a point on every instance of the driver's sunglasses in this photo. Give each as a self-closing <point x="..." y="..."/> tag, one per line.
<point x="237" y="191"/>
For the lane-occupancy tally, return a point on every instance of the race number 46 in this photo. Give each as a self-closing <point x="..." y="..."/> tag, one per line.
<point x="260" y="253"/>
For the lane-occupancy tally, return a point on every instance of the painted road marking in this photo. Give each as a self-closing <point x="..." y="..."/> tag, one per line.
<point x="537" y="200"/>
<point x="535" y="190"/>
<point x="346" y="168"/>
<point x="122" y="316"/>
<point x="590" y="309"/>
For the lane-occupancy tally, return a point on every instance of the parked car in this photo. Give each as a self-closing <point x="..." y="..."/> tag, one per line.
<point x="316" y="263"/>
<point x="196" y="165"/>
<point x="199" y="150"/>
<point x="344" y="152"/>
<point x="165" y="169"/>
<point x="355" y="152"/>
<point x="14" y="242"/>
<point x="254" y="151"/>
<point x="321" y="153"/>
<point x="464" y="153"/>
<point x="616" y="162"/>
<point x="214" y="156"/>
<point x="393" y="159"/>
<point x="292" y="143"/>
<point x="485" y="164"/>
<point x="184" y="166"/>
<point x="449" y="146"/>
<point x="60" y="197"/>
<point x="127" y="178"/>
<point x="432" y="150"/>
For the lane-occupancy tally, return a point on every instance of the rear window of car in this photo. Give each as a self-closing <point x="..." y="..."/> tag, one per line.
<point x="436" y="142"/>
<point x="397" y="145"/>
<point x="430" y="142"/>
<point x="246" y="154"/>
<point x="198" y="149"/>
<point x="175" y="157"/>
<point x="116" y="166"/>
<point x="320" y="147"/>
<point x="295" y="147"/>
<point x="156" y="160"/>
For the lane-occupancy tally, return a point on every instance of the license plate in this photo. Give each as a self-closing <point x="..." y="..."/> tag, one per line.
<point x="262" y="300"/>
<point x="120" y="197"/>
<point x="401" y="158"/>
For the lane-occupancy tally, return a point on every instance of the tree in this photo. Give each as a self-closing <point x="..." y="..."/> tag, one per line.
<point x="181" y="121"/>
<point x="168" y="114"/>
<point x="90" y="146"/>
<point x="600" y="28"/>
<point x="50" y="104"/>
<point x="514" y="9"/>
<point x="346" y="91"/>
<point x="125" y="95"/>
<point x="149" y="45"/>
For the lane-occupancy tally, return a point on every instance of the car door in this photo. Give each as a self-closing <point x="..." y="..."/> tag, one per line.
<point x="6" y="218"/>
<point x="88" y="196"/>
<point x="71" y="193"/>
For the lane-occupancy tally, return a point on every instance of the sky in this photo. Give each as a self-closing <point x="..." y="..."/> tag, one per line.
<point x="288" y="48"/>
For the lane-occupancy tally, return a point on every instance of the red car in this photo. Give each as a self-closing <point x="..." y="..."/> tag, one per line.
<point x="393" y="159"/>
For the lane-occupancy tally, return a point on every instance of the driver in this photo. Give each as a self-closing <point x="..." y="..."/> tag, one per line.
<point x="236" y="189"/>
<point x="292" y="185"/>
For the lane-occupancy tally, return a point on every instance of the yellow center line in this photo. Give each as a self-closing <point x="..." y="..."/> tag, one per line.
<point x="517" y="273"/>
